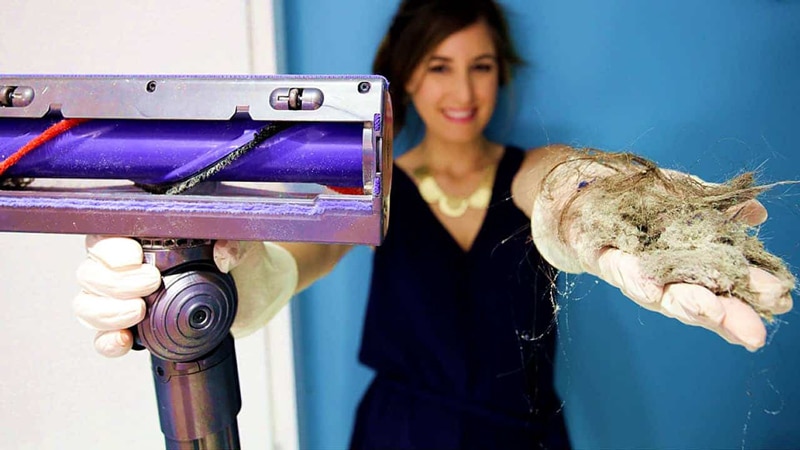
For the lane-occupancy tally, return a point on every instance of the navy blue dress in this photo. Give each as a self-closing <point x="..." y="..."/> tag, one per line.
<point x="462" y="342"/>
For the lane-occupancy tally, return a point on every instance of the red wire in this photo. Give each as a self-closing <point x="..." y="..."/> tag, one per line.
<point x="50" y="133"/>
<point x="347" y="190"/>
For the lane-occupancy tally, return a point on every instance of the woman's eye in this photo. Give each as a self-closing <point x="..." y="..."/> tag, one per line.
<point x="437" y="69"/>
<point x="483" y="67"/>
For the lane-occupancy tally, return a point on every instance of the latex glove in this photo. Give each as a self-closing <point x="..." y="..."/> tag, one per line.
<point x="569" y="241"/>
<point x="266" y="278"/>
<point x="114" y="281"/>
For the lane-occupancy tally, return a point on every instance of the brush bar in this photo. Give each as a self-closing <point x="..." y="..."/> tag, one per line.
<point x="164" y="151"/>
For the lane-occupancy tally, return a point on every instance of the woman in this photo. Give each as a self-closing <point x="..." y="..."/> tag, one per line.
<point x="463" y="354"/>
<point x="459" y="321"/>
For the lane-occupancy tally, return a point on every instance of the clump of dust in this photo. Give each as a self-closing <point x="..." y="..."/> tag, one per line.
<point x="683" y="229"/>
<point x="14" y="183"/>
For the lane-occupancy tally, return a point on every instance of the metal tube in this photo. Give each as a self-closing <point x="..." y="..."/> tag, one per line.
<point x="198" y="405"/>
<point x="227" y="439"/>
<point x="192" y="353"/>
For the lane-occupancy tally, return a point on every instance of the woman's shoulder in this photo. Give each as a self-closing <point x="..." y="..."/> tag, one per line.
<point x="514" y="154"/>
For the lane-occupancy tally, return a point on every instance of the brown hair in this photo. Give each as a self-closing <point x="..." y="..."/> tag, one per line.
<point x="420" y="25"/>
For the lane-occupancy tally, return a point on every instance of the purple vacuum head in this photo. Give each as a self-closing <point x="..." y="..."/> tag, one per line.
<point x="288" y="158"/>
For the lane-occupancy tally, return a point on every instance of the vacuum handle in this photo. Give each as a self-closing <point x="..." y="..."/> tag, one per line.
<point x="187" y="331"/>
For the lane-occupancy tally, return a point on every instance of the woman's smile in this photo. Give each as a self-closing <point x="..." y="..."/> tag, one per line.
<point x="460" y="115"/>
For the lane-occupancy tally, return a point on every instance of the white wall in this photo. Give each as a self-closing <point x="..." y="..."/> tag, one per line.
<point x="55" y="391"/>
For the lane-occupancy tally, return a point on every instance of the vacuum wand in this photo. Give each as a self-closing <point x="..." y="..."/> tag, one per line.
<point x="186" y="329"/>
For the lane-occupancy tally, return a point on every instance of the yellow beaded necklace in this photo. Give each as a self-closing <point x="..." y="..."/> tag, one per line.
<point x="450" y="205"/>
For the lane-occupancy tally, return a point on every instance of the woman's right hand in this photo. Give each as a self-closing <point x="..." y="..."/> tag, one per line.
<point x="113" y="280"/>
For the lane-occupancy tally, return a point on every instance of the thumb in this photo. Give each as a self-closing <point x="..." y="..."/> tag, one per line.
<point x="229" y="254"/>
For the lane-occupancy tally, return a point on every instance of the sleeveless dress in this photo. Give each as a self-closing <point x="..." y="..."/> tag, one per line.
<point x="462" y="342"/>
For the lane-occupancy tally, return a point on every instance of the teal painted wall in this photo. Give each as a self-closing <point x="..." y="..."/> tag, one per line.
<point x="711" y="87"/>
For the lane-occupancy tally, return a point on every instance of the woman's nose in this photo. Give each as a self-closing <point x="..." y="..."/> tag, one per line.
<point x="462" y="88"/>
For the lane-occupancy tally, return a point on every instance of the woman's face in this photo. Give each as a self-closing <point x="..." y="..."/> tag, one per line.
<point x="454" y="88"/>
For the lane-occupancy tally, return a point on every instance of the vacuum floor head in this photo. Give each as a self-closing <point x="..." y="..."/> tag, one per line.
<point x="280" y="158"/>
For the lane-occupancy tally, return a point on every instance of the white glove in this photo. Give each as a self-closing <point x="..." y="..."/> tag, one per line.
<point x="573" y="239"/>
<point x="266" y="278"/>
<point x="114" y="279"/>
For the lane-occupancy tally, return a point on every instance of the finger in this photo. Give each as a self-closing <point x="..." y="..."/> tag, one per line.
<point x="113" y="344"/>
<point x="104" y="314"/>
<point x="624" y="271"/>
<point x="115" y="252"/>
<point x="226" y="255"/>
<point x="99" y="279"/>
<point x="742" y="325"/>
<point x="751" y="212"/>
<point x="772" y="294"/>
<point x="730" y="318"/>
<point x="693" y="305"/>
<point x="231" y="254"/>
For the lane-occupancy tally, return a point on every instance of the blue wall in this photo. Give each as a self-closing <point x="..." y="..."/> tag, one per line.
<point x="709" y="86"/>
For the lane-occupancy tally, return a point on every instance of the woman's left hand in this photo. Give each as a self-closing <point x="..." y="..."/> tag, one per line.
<point x="734" y="320"/>
<point x="695" y="273"/>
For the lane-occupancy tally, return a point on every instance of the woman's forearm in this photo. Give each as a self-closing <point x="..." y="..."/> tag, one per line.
<point x="314" y="260"/>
